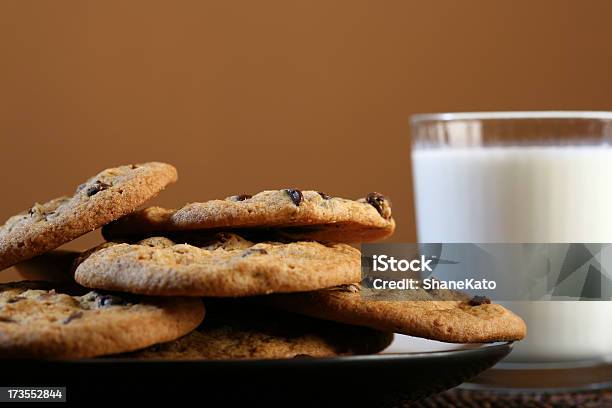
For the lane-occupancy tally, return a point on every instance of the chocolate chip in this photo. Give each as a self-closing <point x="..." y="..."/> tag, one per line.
<point x="133" y="166"/>
<point x="31" y="211"/>
<point x="15" y="299"/>
<point x="109" y="300"/>
<point x="479" y="300"/>
<point x="73" y="316"/>
<point x="295" y="195"/>
<point x="220" y="238"/>
<point x="155" y="347"/>
<point x="241" y="197"/>
<point x="324" y="196"/>
<point x="250" y="251"/>
<point x="302" y="356"/>
<point x="96" y="187"/>
<point x="5" y="319"/>
<point x="379" y="202"/>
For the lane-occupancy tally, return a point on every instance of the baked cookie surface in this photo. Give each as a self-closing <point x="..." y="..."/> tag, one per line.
<point x="239" y="330"/>
<point x="225" y="265"/>
<point x="457" y="321"/>
<point x="103" y="198"/>
<point x="294" y="214"/>
<point x="52" y="320"/>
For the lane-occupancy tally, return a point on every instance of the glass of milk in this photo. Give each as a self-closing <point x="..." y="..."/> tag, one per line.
<point x="522" y="177"/>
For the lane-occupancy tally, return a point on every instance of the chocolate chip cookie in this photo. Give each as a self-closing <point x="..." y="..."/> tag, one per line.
<point x="51" y="320"/>
<point x="476" y="320"/>
<point x="241" y="330"/>
<point x="294" y="214"/>
<point x="225" y="266"/>
<point x="103" y="198"/>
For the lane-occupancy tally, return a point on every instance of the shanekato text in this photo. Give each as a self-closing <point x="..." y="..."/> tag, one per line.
<point x="430" y="283"/>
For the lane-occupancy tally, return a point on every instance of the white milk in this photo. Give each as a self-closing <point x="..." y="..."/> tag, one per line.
<point x="525" y="194"/>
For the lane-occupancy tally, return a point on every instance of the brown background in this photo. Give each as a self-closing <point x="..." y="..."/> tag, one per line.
<point x="249" y="95"/>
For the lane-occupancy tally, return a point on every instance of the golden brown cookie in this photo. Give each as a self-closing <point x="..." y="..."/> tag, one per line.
<point x="456" y="321"/>
<point x="51" y="320"/>
<point x="225" y="266"/>
<point x="240" y="330"/>
<point x="293" y="214"/>
<point x="103" y="198"/>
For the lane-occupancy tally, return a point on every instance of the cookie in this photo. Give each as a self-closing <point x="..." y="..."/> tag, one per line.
<point x="457" y="321"/>
<point x="226" y="266"/>
<point x="294" y="214"/>
<point x="51" y="320"/>
<point x="103" y="198"/>
<point x="239" y="330"/>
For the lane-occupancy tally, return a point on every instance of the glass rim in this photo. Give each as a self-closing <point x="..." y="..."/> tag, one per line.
<point x="508" y="115"/>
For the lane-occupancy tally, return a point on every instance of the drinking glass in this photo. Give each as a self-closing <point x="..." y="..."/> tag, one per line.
<point x="523" y="177"/>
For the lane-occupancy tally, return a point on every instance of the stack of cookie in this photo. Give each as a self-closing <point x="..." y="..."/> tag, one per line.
<point x="274" y="270"/>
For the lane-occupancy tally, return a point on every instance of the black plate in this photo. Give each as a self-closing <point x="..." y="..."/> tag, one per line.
<point x="374" y="380"/>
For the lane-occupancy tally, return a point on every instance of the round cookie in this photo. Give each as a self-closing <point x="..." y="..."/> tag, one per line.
<point x="103" y="198"/>
<point x="241" y="330"/>
<point x="293" y="214"/>
<point x="51" y="320"/>
<point x="456" y="321"/>
<point x="226" y="266"/>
